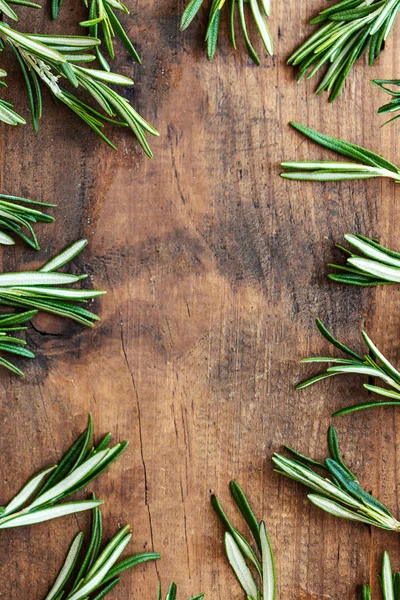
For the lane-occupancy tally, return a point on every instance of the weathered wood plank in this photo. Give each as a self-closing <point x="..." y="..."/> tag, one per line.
<point x="215" y="271"/>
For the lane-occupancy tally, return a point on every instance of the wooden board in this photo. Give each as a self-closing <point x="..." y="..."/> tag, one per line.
<point x="215" y="270"/>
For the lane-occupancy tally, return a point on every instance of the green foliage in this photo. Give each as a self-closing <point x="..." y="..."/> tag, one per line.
<point x="93" y="574"/>
<point x="369" y="163"/>
<point x="49" y="60"/>
<point x="42" y="497"/>
<point x="372" y="365"/>
<point x="341" y="496"/>
<point x="249" y="566"/>
<point x="346" y="31"/>
<point x="259" y="10"/>
<point x="18" y="214"/>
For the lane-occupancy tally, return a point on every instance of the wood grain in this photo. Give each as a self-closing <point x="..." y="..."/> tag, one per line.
<point x="215" y="270"/>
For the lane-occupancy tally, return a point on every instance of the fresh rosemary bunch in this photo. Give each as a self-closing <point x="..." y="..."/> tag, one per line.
<point x="394" y="104"/>
<point x="80" y="465"/>
<point x="241" y="556"/>
<point x="9" y="325"/>
<point x="342" y="495"/>
<point x="44" y="289"/>
<point x="382" y="266"/>
<point x="373" y="365"/>
<point x="258" y="9"/>
<point x="99" y="570"/>
<point x="15" y="217"/>
<point x="347" y="30"/>
<point x="369" y="164"/>
<point x="50" y="59"/>
<point x="390" y="582"/>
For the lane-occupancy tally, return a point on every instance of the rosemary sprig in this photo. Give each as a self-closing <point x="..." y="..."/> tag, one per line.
<point x="377" y="265"/>
<point x="341" y="496"/>
<point x="371" y="365"/>
<point x="390" y="582"/>
<point x="80" y="465"/>
<point x="9" y="325"/>
<point x="346" y="31"/>
<point x="258" y="9"/>
<point x="51" y="59"/>
<point x="99" y="570"/>
<point x="394" y="104"/>
<point x="15" y="217"/>
<point x="171" y="594"/>
<point x="44" y="289"/>
<point x="247" y="566"/>
<point x="369" y="164"/>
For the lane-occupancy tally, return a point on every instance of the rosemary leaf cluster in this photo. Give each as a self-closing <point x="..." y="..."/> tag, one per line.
<point x="248" y="567"/>
<point x="45" y="289"/>
<point x="372" y="365"/>
<point x="102" y="13"/>
<point x="171" y="594"/>
<point x="49" y="60"/>
<point x="341" y="496"/>
<point x="19" y="214"/>
<point x="377" y="265"/>
<point x="368" y="165"/>
<point x="7" y="114"/>
<point x="98" y="569"/>
<point x="394" y="104"/>
<point x="259" y="9"/>
<point x="11" y="323"/>
<point x="42" y="497"/>
<point x="346" y="30"/>
<point x="390" y="582"/>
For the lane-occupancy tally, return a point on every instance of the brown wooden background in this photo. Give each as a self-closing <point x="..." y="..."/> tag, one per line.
<point x="215" y="270"/>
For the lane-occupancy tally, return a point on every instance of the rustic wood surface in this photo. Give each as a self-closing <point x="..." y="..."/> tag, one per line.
<point x="215" y="270"/>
